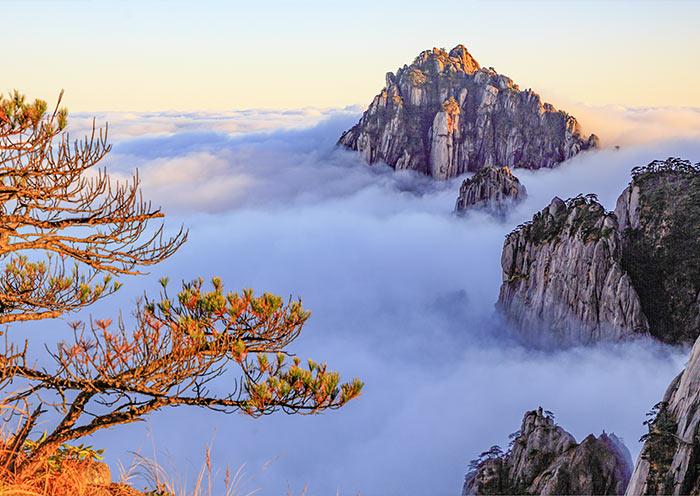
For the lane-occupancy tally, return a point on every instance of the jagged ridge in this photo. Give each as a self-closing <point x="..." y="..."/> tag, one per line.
<point x="445" y="115"/>
<point x="545" y="459"/>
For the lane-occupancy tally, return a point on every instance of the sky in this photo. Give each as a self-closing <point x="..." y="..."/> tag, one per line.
<point x="229" y="55"/>
<point x="230" y="111"/>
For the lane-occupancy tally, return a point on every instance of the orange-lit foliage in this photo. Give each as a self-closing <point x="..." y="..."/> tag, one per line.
<point x="179" y="351"/>
<point x="52" y="201"/>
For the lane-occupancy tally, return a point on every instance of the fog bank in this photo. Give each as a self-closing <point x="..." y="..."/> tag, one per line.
<point x="401" y="293"/>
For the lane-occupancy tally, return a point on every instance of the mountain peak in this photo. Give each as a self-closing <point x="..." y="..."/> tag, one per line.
<point x="444" y="115"/>
<point x="469" y="63"/>
<point x="438" y="59"/>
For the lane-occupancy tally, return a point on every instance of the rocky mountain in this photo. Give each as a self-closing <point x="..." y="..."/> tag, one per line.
<point x="670" y="459"/>
<point x="445" y="115"/>
<point x="545" y="459"/>
<point x="491" y="188"/>
<point x="577" y="274"/>
<point x="563" y="281"/>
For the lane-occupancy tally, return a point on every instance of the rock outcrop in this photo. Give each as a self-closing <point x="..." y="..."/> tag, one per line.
<point x="491" y="188"/>
<point x="444" y="115"/>
<point x="670" y="459"/>
<point x="563" y="281"/>
<point x="577" y="274"/>
<point x="545" y="459"/>
<point x="96" y="480"/>
<point x="659" y="217"/>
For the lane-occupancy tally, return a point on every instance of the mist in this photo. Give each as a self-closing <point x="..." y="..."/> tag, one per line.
<point x="619" y="125"/>
<point x="401" y="293"/>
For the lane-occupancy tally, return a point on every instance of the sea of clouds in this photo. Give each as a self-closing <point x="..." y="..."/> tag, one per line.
<point x="401" y="293"/>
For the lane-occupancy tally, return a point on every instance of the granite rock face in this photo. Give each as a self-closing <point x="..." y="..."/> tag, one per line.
<point x="670" y="459"/>
<point x="563" y="281"/>
<point x="545" y="459"/>
<point x="577" y="274"/>
<point x="491" y="188"/>
<point x="445" y="115"/>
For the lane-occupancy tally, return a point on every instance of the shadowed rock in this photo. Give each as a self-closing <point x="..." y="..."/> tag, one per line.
<point x="659" y="217"/>
<point x="545" y="459"/>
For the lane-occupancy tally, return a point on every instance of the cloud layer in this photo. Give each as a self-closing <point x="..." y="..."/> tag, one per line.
<point x="402" y="296"/>
<point x="617" y="125"/>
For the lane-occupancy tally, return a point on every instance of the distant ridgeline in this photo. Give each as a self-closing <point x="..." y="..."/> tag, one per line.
<point x="444" y="115"/>
<point x="577" y="274"/>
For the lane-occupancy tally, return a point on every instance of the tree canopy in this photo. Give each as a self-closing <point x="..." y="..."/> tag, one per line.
<point x="175" y="351"/>
<point x="65" y="227"/>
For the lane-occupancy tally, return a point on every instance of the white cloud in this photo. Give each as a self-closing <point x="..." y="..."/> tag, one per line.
<point x="402" y="294"/>
<point x="624" y="126"/>
<point x="127" y="125"/>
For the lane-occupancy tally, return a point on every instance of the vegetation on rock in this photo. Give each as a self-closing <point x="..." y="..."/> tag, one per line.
<point x="662" y="252"/>
<point x="543" y="458"/>
<point x="649" y="277"/>
<point x="498" y="125"/>
<point x="659" y="447"/>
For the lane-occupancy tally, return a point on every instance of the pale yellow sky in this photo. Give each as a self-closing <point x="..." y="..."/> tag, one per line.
<point x="149" y="56"/>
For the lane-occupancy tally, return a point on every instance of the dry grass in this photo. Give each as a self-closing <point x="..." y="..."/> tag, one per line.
<point x="69" y="481"/>
<point x="44" y="482"/>
<point x="167" y="479"/>
<point x="160" y="480"/>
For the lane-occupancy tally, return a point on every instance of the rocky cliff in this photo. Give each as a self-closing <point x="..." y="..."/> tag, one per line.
<point x="659" y="217"/>
<point x="545" y="459"/>
<point x="577" y="274"/>
<point x="563" y="281"/>
<point x="670" y="459"/>
<point x="491" y="188"/>
<point x="445" y="115"/>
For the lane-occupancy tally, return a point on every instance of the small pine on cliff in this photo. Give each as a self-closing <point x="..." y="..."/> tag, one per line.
<point x="563" y="281"/>
<point x="445" y="115"/>
<point x="670" y="459"/>
<point x="577" y="274"/>
<point x="545" y="459"/>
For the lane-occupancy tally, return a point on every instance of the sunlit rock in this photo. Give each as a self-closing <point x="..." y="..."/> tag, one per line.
<point x="445" y="115"/>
